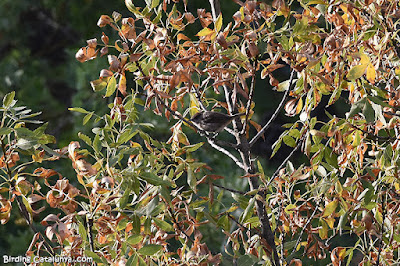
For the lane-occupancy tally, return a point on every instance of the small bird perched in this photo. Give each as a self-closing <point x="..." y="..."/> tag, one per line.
<point x="212" y="121"/>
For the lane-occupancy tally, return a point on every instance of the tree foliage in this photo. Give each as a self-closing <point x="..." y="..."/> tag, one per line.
<point x="138" y="200"/>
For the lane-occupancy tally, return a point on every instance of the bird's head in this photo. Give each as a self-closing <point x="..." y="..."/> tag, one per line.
<point x="197" y="117"/>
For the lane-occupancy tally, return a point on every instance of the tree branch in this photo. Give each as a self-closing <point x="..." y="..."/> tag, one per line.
<point x="215" y="9"/>
<point x="275" y="114"/>
<point x="250" y="100"/>
<point x="21" y="207"/>
<point x="224" y="151"/>
<point x="283" y="163"/>
<point x="229" y="189"/>
<point x="302" y="232"/>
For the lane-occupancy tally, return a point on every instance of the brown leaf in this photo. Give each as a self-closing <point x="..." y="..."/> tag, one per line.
<point x="92" y="43"/>
<point x="45" y="173"/>
<point x="34" y="198"/>
<point x="104" y="38"/>
<point x="5" y="210"/>
<point x="122" y="85"/>
<point x="113" y="62"/>
<point x="104" y="20"/>
<point x="221" y="40"/>
<point x="105" y="73"/>
<point x="50" y="218"/>
<point x="189" y="17"/>
<point x="205" y="17"/>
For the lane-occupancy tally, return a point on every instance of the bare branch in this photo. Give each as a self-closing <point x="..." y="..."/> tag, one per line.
<point x="250" y="100"/>
<point x="224" y="151"/>
<point x="302" y="232"/>
<point x="215" y="9"/>
<point x="275" y="114"/>
<point x="283" y="163"/>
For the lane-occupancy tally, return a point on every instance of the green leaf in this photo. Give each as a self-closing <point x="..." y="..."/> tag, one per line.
<point x="288" y="140"/>
<point x="192" y="148"/>
<point x="79" y="110"/>
<point x="8" y="99"/>
<point x="191" y="178"/>
<point x="356" y="72"/>
<point x="134" y="239"/>
<point x="155" y="3"/>
<point x="97" y="143"/>
<point x="248" y="211"/>
<point x="98" y="84"/>
<point x="82" y="231"/>
<point x="369" y="112"/>
<point x="136" y="224"/>
<point x="163" y="225"/>
<point x="25" y="144"/>
<point x="276" y="146"/>
<point x="5" y="131"/>
<point x="204" y="32"/>
<point x="150" y="249"/>
<point x="246" y="260"/>
<point x="111" y="86"/>
<point x="85" y="138"/>
<point x="93" y="255"/>
<point x="283" y="86"/>
<point x="289" y="209"/>
<point x="154" y="179"/>
<point x="126" y="136"/>
<point x="123" y="201"/>
<point x="87" y="118"/>
<point x="323" y="230"/>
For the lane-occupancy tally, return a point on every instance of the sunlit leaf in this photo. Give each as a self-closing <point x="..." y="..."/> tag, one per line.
<point x="149" y="249"/>
<point x="218" y="23"/>
<point x="330" y="208"/>
<point x="111" y="86"/>
<point x="204" y="32"/>
<point x="8" y="99"/>
<point x="356" y="72"/>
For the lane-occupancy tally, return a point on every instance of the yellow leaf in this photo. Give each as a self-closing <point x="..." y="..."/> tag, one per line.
<point x="194" y="104"/>
<point x="330" y="221"/>
<point x="323" y="230"/>
<point x="330" y="208"/>
<point x="135" y="145"/>
<point x="204" y="32"/>
<point x="371" y="73"/>
<point x="299" y="106"/>
<point x="364" y="59"/>
<point x="397" y="71"/>
<point x="218" y="23"/>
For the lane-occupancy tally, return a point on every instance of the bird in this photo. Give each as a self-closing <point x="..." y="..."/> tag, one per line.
<point x="211" y="121"/>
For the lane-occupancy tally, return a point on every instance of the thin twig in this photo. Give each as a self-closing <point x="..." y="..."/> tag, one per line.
<point x="250" y="100"/>
<point x="166" y="106"/>
<point x="90" y="232"/>
<point x="22" y="209"/>
<point x="198" y="96"/>
<point x="275" y="114"/>
<point x="384" y="211"/>
<point x="302" y="232"/>
<point x="283" y="163"/>
<point x="229" y="189"/>
<point x="176" y="222"/>
<point x="240" y="225"/>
